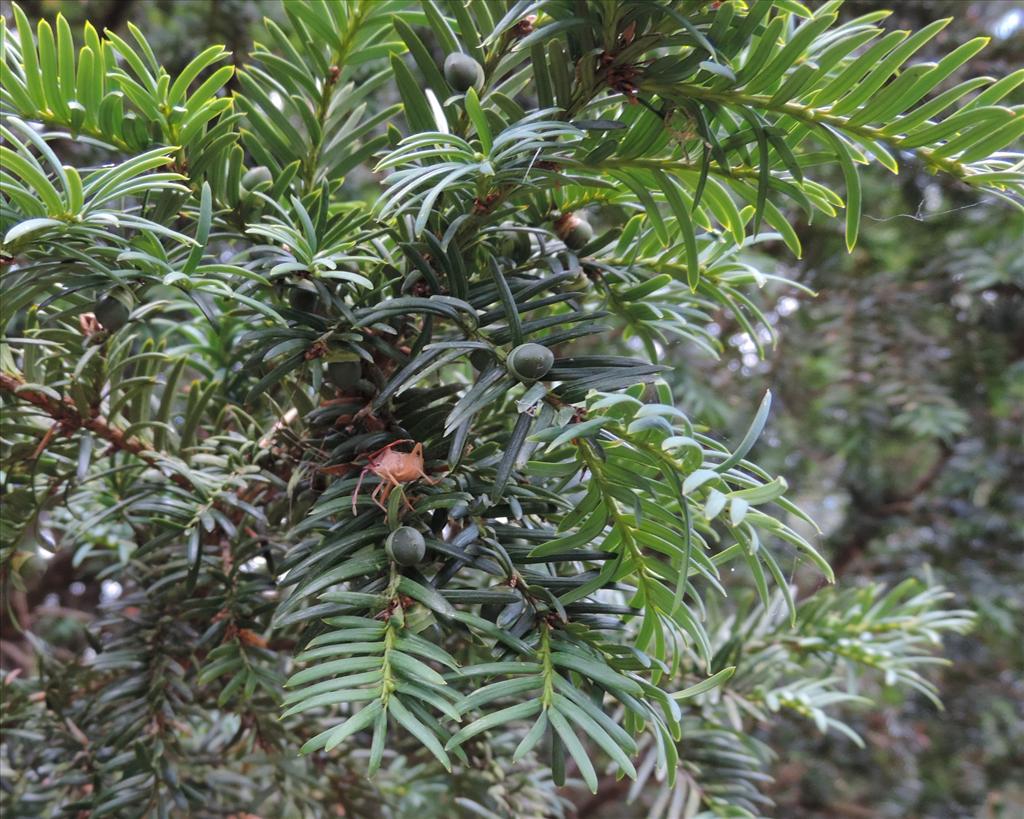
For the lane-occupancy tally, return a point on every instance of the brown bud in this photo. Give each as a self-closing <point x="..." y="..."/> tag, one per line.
<point x="524" y="27"/>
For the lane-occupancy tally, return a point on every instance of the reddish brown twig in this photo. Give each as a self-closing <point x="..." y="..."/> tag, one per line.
<point x="66" y="414"/>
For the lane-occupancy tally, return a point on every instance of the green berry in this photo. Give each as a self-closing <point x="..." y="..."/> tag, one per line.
<point x="112" y="310"/>
<point x="575" y="232"/>
<point x="462" y="72"/>
<point x="480" y="359"/>
<point x="515" y="243"/>
<point x="405" y="546"/>
<point x="304" y="297"/>
<point x="530" y="362"/>
<point x="344" y="369"/>
<point x="254" y="177"/>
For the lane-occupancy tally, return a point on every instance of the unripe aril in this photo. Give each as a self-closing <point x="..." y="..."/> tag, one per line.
<point x="112" y="311"/>
<point x="575" y="232"/>
<point x="515" y="244"/>
<point x="254" y="177"/>
<point x="304" y="297"/>
<point x="462" y="72"/>
<point x="529" y="362"/>
<point x="406" y="546"/>
<point x="344" y="369"/>
<point x="480" y="359"/>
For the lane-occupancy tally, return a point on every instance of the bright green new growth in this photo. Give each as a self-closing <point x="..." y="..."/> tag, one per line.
<point x="571" y="616"/>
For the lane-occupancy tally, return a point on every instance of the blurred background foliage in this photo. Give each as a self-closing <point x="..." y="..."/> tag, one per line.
<point x="899" y="422"/>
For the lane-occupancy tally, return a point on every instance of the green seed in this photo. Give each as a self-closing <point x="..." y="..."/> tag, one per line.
<point x="480" y="359"/>
<point x="406" y="546"/>
<point x="304" y="297"/>
<point x="515" y="243"/>
<point x="344" y="369"/>
<point x="530" y="362"/>
<point x="576" y="233"/>
<point x="112" y="310"/>
<point x="463" y="72"/>
<point x="254" y="177"/>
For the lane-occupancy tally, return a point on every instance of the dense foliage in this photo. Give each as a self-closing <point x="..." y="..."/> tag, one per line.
<point x="310" y="423"/>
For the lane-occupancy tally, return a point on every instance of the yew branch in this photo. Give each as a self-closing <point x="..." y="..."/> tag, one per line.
<point x="66" y="414"/>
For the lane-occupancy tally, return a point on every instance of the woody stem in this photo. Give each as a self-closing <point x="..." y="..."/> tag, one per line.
<point x="66" y="413"/>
